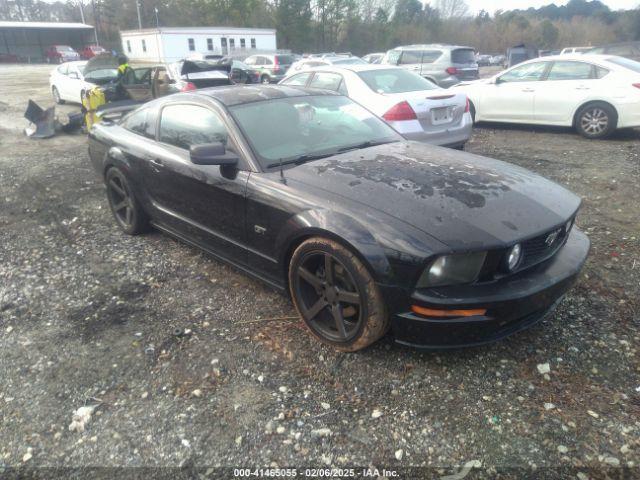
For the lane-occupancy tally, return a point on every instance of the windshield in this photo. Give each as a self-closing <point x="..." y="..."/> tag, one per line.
<point x="626" y="63"/>
<point x="395" y="80"/>
<point x="308" y="126"/>
<point x="64" y="48"/>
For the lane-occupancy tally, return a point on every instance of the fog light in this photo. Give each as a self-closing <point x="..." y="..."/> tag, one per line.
<point x="513" y="257"/>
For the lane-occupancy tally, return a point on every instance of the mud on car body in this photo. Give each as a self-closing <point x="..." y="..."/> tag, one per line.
<point x="366" y="231"/>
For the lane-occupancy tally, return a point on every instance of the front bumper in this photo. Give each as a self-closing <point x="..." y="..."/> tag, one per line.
<point x="512" y="303"/>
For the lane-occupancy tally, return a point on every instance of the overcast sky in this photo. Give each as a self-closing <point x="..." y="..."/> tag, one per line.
<point x="493" y="5"/>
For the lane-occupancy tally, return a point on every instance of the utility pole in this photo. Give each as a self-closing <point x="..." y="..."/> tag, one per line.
<point x="138" y="10"/>
<point x="96" y="21"/>
<point x="155" y="9"/>
<point x="81" y="11"/>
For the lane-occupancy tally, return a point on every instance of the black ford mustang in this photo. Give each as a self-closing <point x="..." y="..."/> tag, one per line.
<point x="310" y="192"/>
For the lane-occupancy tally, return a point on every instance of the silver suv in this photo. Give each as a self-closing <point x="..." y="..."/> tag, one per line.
<point x="444" y="65"/>
<point x="272" y="68"/>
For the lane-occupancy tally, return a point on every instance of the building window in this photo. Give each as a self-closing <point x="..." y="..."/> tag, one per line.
<point x="144" y="45"/>
<point x="223" y="44"/>
<point x="242" y="44"/>
<point x="232" y="44"/>
<point x="192" y="44"/>
<point x="253" y="43"/>
<point x="128" y="46"/>
<point x="210" y="44"/>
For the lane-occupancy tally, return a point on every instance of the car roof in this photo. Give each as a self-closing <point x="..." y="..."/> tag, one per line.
<point x="240" y="94"/>
<point x="355" y="67"/>
<point x="432" y="45"/>
<point x="594" y="57"/>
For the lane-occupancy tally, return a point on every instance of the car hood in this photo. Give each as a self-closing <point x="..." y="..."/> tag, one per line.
<point x="104" y="61"/>
<point x="462" y="200"/>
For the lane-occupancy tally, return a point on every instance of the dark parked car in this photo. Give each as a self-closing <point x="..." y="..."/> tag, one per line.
<point x="365" y="230"/>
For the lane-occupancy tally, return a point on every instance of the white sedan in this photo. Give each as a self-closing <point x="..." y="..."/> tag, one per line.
<point x="417" y="108"/>
<point x="69" y="80"/>
<point x="595" y="94"/>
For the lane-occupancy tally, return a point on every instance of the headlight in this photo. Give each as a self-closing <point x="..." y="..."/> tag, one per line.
<point x="452" y="270"/>
<point x="514" y="254"/>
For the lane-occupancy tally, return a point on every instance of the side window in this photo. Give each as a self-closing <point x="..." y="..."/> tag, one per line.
<point x="327" y="81"/>
<point x="250" y="61"/>
<point x="140" y="122"/>
<point x="188" y="125"/>
<point x="410" y="57"/>
<point x="570" y="71"/>
<point x="192" y="44"/>
<point x="530" y="72"/>
<point x="259" y="61"/>
<point x="267" y="61"/>
<point x="430" y="56"/>
<point x="299" y="79"/>
<point x="601" y="72"/>
<point x="63" y="69"/>
<point x="393" y="57"/>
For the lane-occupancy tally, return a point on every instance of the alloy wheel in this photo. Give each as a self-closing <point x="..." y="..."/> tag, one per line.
<point x="328" y="297"/>
<point x="265" y="80"/>
<point x="121" y="200"/>
<point x="594" y="121"/>
<point x="56" y="95"/>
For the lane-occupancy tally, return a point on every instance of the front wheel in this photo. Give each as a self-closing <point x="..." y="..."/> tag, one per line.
<point x="596" y="120"/>
<point x="56" y="96"/>
<point x="126" y="209"/>
<point x="336" y="295"/>
<point x="265" y="80"/>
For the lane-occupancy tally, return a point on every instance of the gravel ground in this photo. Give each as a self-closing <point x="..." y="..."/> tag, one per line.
<point x="192" y="364"/>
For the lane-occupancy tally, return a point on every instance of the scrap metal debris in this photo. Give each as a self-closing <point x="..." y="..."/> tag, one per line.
<point x="45" y="123"/>
<point x="81" y="417"/>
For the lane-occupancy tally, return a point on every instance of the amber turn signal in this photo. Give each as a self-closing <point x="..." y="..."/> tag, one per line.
<point x="431" y="312"/>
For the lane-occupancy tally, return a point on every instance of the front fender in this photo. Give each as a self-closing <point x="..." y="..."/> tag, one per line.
<point x="393" y="252"/>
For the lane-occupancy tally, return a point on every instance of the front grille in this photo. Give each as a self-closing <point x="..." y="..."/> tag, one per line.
<point x="538" y="249"/>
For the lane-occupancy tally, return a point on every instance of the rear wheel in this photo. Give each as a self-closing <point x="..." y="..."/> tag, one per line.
<point x="336" y="296"/>
<point x="265" y="79"/>
<point x="126" y="209"/>
<point x="596" y="120"/>
<point x="472" y="111"/>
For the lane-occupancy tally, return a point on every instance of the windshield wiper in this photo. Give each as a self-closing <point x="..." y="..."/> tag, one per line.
<point x="367" y="144"/>
<point x="301" y="159"/>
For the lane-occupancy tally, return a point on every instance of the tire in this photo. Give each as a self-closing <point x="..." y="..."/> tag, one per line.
<point x="264" y="79"/>
<point x="596" y="120"/>
<point x="126" y="209"/>
<point x="472" y="111"/>
<point x="56" y="96"/>
<point x="348" y="296"/>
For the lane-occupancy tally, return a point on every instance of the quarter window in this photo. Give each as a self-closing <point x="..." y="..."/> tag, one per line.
<point x="140" y="122"/>
<point x="186" y="125"/>
<point x="300" y="79"/>
<point x="531" y="72"/>
<point x="570" y="71"/>
<point x="192" y="44"/>
<point x="327" y="81"/>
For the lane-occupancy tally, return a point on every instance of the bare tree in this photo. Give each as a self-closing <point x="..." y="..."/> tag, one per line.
<point x="452" y="8"/>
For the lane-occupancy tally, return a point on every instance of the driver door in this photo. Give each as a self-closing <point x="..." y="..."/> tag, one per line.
<point x="511" y="97"/>
<point x="202" y="202"/>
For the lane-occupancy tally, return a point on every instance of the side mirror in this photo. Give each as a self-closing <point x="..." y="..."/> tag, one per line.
<point x="73" y="75"/>
<point x="211" y="154"/>
<point x="497" y="81"/>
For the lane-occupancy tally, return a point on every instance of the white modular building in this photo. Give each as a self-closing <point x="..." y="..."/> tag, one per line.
<point x="169" y="44"/>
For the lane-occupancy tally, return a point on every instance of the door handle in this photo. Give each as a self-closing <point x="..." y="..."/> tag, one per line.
<point x="528" y="90"/>
<point x="156" y="162"/>
<point x="582" y="87"/>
